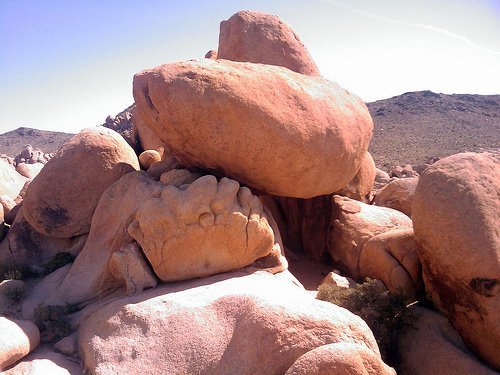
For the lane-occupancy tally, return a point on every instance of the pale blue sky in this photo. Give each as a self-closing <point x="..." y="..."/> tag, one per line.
<point x="66" y="65"/>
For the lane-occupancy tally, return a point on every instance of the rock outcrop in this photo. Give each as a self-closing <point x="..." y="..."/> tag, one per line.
<point x="361" y="185"/>
<point x="397" y="194"/>
<point x="353" y="223"/>
<point x="202" y="228"/>
<point x="430" y="345"/>
<point x="17" y="339"/>
<point x="284" y="133"/>
<point x="60" y="202"/>
<point x="456" y="214"/>
<point x="11" y="182"/>
<point x="256" y="37"/>
<point x="213" y="227"/>
<point x="225" y="324"/>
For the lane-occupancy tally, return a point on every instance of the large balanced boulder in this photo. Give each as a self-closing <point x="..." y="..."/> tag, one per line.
<point x="352" y="224"/>
<point x="11" y="182"/>
<point x="256" y="37"/>
<point x="430" y="345"/>
<point x="60" y="202"/>
<point x="17" y="339"/>
<point x="204" y="228"/>
<point x="456" y="216"/>
<point x="226" y="324"/>
<point x="265" y="126"/>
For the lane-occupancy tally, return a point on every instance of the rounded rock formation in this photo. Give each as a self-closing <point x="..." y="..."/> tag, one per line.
<point x="456" y="216"/>
<point x="352" y="225"/>
<point x="60" y="202"/>
<point x="265" y="126"/>
<point x="201" y="228"/>
<point x="148" y="158"/>
<point x="397" y="194"/>
<point x="256" y="37"/>
<point x="17" y="339"/>
<point x="361" y="185"/>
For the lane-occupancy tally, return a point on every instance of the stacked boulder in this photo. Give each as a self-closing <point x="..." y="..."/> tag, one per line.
<point x="182" y="268"/>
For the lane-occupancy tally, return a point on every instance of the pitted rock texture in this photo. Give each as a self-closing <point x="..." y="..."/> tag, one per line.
<point x="265" y="126"/>
<point x="225" y="324"/>
<point x="202" y="228"/>
<point x="456" y="213"/>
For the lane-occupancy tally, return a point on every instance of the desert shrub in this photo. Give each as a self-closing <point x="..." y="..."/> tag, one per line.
<point x="14" y="272"/>
<point x="59" y="260"/>
<point x="53" y="321"/>
<point x="382" y="311"/>
<point x="15" y="294"/>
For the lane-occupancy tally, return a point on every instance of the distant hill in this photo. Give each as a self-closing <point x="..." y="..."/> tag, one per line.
<point x="412" y="127"/>
<point x="11" y="143"/>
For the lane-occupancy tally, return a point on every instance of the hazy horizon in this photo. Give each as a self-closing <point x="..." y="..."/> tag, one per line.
<point x="67" y="65"/>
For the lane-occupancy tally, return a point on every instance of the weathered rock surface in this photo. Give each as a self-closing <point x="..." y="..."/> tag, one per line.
<point x="17" y="339"/>
<point x="397" y="194"/>
<point x="361" y="185"/>
<point x="352" y="224"/>
<point x="284" y="133"/>
<point x="128" y="201"/>
<point x="60" y="202"/>
<point x="146" y="137"/>
<point x="129" y="265"/>
<point x="430" y="345"/>
<point x="11" y="182"/>
<point x="29" y="170"/>
<point x="28" y="247"/>
<point x="456" y="215"/>
<point x="44" y="361"/>
<point x="202" y="229"/>
<point x="340" y="358"/>
<point x="226" y="324"/>
<point x="382" y="176"/>
<point x="148" y="158"/>
<point x="392" y="258"/>
<point x="256" y="37"/>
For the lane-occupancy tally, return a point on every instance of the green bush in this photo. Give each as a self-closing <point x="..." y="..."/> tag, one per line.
<point x="382" y="311"/>
<point x="53" y="321"/>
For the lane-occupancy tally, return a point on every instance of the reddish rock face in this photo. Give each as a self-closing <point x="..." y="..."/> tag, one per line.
<point x="202" y="228"/>
<point x="60" y="202"/>
<point x="227" y="324"/>
<point x="256" y="37"/>
<point x="352" y="225"/>
<point x="397" y="194"/>
<point x="361" y="185"/>
<point x="456" y="216"/>
<point x="265" y="126"/>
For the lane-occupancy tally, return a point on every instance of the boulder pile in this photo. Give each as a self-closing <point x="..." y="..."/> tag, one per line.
<point x="167" y="250"/>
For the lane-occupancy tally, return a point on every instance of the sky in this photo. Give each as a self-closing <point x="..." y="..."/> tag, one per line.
<point x="66" y="65"/>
